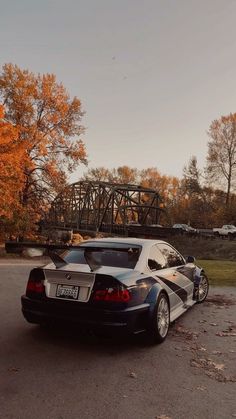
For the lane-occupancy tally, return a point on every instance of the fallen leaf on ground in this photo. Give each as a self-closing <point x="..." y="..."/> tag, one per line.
<point x="219" y="367"/>
<point x="202" y="388"/>
<point x="211" y="369"/>
<point x="196" y="364"/>
<point x="132" y="375"/>
<point x="224" y="334"/>
<point x="182" y="332"/>
<point x="13" y="369"/>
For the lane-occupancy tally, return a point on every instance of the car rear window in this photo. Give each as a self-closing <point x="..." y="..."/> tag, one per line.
<point x="116" y="255"/>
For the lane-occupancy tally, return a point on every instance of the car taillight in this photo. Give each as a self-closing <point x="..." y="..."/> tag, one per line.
<point x="35" y="284"/>
<point x="37" y="287"/>
<point x="112" y="294"/>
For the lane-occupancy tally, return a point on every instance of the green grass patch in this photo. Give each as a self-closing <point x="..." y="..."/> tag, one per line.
<point x="219" y="272"/>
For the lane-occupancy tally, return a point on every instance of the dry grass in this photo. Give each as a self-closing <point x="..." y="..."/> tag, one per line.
<point x="219" y="272"/>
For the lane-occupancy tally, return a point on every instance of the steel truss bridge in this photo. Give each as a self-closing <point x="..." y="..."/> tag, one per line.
<point x="106" y="207"/>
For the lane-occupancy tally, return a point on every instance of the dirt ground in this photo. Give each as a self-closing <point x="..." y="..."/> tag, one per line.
<point x="211" y="338"/>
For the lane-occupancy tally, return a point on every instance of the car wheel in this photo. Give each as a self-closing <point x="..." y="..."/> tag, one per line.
<point x="203" y="288"/>
<point x="159" y="323"/>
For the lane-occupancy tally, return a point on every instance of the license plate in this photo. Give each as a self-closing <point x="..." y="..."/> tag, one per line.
<point x="67" y="291"/>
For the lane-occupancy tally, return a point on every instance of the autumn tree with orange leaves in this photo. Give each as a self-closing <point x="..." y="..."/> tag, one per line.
<point x="11" y="168"/>
<point x="47" y="124"/>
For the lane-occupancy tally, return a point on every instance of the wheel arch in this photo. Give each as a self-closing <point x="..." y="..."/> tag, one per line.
<point x="197" y="284"/>
<point x="197" y="274"/>
<point x="153" y="295"/>
<point x="202" y="271"/>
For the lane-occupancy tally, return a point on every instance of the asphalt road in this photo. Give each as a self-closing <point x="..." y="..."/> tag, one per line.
<point x="61" y="375"/>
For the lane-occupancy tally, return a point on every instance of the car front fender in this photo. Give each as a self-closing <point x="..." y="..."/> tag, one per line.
<point x="197" y="275"/>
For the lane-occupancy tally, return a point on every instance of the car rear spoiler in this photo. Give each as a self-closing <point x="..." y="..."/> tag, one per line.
<point x="57" y="259"/>
<point x="51" y="250"/>
<point x="18" y="247"/>
<point x="59" y="262"/>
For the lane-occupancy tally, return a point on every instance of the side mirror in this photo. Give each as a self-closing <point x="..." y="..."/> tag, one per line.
<point x="190" y="259"/>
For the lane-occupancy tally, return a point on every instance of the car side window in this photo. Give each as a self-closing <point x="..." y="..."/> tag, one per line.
<point x="171" y="255"/>
<point x="155" y="259"/>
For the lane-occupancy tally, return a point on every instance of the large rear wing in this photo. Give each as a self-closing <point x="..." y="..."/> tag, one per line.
<point x="20" y="247"/>
<point x="55" y="251"/>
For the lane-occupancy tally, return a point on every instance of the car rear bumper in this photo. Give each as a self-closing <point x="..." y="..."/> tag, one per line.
<point x="130" y="320"/>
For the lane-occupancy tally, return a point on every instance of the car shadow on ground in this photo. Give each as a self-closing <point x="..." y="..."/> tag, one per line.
<point x="76" y="338"/>
<point x="72" y="338"/>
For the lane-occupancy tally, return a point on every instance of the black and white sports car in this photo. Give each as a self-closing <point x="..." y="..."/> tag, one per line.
<point x="128" y="284"/>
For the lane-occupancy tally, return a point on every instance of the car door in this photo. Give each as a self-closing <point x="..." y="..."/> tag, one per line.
<point x="167" y="277"/>
<point x="182" y="273"/>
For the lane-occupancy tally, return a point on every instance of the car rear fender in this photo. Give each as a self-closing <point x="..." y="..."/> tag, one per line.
<point x="153" y="296"/>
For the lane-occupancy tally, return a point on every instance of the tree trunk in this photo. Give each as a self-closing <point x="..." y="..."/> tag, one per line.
<point x="228" y="191"/>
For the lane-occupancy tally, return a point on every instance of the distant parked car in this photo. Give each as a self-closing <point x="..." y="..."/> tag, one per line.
<point x="185" y="228"/>
<point x="228" y="230"/>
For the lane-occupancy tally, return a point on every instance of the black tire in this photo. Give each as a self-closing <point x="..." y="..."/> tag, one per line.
<point x="203" y="289"/>
<point x="159" y="323"/>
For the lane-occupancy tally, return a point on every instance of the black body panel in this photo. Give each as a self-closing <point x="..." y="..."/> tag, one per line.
<point x="131" y="319"/>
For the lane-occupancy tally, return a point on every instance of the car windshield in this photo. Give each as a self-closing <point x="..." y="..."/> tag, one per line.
<point x="104" y="254"/>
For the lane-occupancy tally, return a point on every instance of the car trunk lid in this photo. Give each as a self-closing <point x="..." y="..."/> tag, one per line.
<point x="68" y="285"/>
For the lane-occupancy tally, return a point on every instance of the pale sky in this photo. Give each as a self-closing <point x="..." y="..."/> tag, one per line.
<point x="151" y="74"/>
